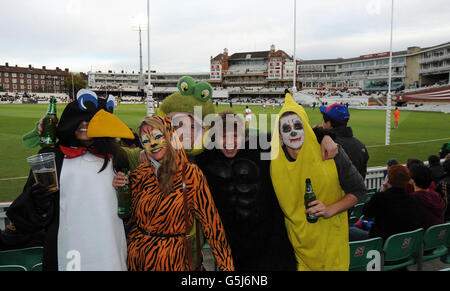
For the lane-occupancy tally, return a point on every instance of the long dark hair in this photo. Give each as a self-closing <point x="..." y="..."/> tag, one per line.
<point x="107" y="147"/>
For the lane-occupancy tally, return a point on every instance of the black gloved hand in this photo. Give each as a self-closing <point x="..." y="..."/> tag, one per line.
<point x="42" y="197"/>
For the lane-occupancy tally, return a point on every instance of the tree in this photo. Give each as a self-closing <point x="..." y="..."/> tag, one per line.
<point x="78" y="83"/>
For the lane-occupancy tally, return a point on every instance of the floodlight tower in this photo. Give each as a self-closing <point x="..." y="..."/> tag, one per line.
<point x="149" y="89"/>
<point x="140" y="25"/>
<point x="295" y="40"/>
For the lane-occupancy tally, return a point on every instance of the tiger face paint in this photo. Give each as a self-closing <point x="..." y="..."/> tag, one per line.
<point x="291" y="131"/>
<point x="154" y="142"/>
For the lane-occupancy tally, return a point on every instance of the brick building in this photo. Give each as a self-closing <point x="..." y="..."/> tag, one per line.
<point x="16" y="79"/>
<point x="263" y="74"/>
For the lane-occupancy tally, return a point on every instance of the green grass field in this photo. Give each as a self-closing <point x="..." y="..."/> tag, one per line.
<point x="419" y="135"/>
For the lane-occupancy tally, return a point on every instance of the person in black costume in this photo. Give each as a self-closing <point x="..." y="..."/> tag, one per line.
<point x="238" y="174"/>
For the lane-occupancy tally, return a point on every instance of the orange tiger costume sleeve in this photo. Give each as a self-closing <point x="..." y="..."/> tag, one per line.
<point x="208" y="216"/>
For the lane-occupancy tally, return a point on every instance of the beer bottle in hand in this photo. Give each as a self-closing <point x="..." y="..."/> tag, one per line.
<point x="309" y="197"/>
<point x="48" y="137"/>
<point x="123" y="199"/>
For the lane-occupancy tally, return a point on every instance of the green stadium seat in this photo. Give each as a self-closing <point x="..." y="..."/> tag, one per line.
<point x="403" y="249"/>
<point x="359" y="251"/>
<point x="435" y="240"/>
<point x="37" y="267"/>
<point x="12" y="268"/>
<point x="27" y="257"/>
<point x="446" y="258"/>
<point x="356" y="213"/>
<point x="369" y="194"/>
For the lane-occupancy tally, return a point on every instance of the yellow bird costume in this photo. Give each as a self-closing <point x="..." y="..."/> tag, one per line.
<point x="320" y="246"/>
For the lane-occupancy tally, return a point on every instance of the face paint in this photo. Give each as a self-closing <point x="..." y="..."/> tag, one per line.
<point x="291" y="130"/>
<point x="154" y="142"/>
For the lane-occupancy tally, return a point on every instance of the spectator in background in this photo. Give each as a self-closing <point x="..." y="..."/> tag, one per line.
<point x="394" y="210"/>
<point x="443" y="188"/>
<point x="335" y="118"/>
<point x="433" y="206"/>
<point x="396" y="117"/>
<point x="437" y="171"/>
<point x="248" y="115"/>
<point x="386" y="184"/>
<point x="444" y="150"/>
<point x="409" y="163"/>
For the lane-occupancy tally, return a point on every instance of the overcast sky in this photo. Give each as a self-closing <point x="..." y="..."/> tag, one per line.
<point x="98" y="34"/>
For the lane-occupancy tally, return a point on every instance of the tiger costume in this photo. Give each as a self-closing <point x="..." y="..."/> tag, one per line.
<point x="156" y="243"/>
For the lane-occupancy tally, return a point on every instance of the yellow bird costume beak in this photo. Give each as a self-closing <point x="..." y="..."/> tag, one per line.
<point x="105" y="124"/>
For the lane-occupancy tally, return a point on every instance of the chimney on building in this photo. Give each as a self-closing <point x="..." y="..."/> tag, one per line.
<point x="225" y="52"/>
<point x="67" y="70"/>
<point x="30" y="67"/>
<point x="43" y="68"/>
<point x="272" y="48"/>
<point x="6" y="65"/>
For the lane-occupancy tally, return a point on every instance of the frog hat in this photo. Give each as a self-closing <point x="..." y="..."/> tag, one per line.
<point x="192" y="100"/>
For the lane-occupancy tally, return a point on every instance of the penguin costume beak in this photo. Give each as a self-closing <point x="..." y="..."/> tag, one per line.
<point x="105" y="124"/>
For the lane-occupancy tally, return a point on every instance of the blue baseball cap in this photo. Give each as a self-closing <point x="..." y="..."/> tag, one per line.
<point x="337" y="112"/>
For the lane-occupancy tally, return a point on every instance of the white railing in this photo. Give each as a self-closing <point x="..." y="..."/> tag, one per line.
<point x="375" y="177"/>
<point x="3" y="219"/>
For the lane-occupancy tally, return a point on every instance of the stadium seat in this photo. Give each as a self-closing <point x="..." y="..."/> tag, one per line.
<point x="360" y="256"/>
<point x="369" y="194"/>
<point x="37" y="267"/>
<point x="403" y="249"/>
<point x="356" y="213"/>
<point x="434" y="241"/>
<point x="28" y="258"/>
<point x="446" y="258"/>
<point x="12" y="268"/>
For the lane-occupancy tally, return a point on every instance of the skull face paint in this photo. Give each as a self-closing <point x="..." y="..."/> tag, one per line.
<point x="291" y="130"/>
<point x="154" y="142"/>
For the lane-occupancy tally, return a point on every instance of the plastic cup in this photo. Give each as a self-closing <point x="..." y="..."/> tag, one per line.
<point x="43" y="167"/>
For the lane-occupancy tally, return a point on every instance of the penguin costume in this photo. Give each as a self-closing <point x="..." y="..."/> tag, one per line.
<point x="80" y="221"/>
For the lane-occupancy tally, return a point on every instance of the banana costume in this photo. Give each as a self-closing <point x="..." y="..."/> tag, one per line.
<point x="320" y="246"/>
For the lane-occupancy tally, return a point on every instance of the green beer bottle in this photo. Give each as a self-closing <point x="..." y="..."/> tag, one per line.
<point x="48" y="137"/>
<point x="309" y="197"/>
<point x="123" y="199"/>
